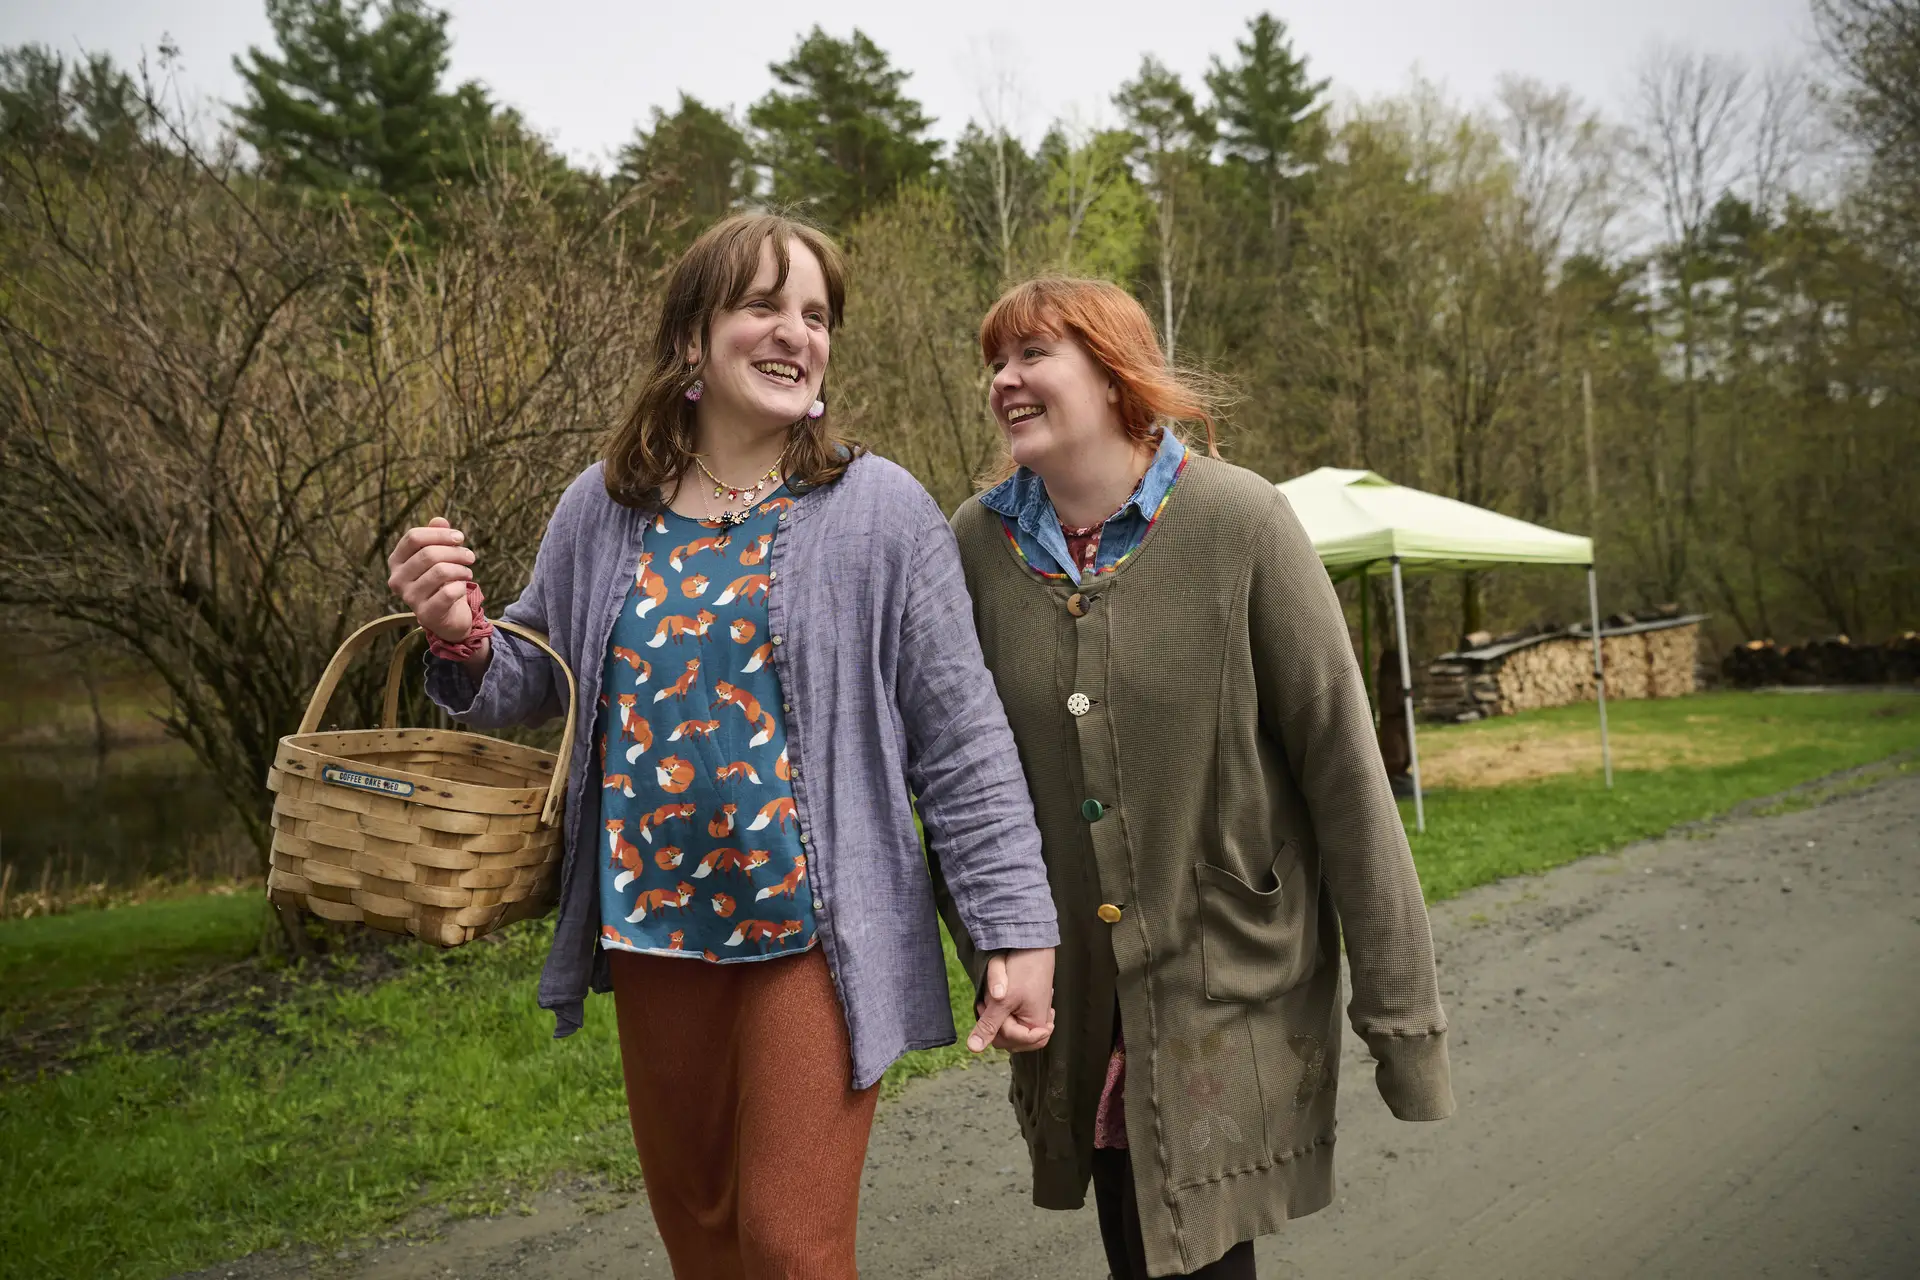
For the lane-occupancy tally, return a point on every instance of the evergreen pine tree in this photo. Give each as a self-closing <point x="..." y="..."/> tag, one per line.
<point x="353" y="103"/>
<point x="840" y="136"/>
<point x="1267" y="111"/>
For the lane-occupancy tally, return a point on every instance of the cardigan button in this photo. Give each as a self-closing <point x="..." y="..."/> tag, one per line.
<point x="1109" y="913"/>
<point x="1092" y="810"/>
<point x="1077" y="604"/>
<point x="1079" y="704"/>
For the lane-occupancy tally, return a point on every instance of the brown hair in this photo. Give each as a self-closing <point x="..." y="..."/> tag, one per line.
<point x="651" y="450"/>
<point x="1115" y="329"/>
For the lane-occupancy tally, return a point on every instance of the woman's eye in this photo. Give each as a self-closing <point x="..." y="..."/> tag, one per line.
<point x="996" y="365"/>
<point x="1032" y="353"/>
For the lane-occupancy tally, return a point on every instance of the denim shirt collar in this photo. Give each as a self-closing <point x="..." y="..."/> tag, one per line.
<point x="1022" y="497"/>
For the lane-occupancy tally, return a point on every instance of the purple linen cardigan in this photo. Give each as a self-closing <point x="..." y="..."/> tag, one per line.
<point x="889" y="702"/>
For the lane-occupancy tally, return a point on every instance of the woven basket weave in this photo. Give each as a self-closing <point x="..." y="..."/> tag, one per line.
<point x="442" y="834"/>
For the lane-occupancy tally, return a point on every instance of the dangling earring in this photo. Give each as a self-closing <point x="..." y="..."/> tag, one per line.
<point x="816" y="410"/>
<point x="695" y="391"/>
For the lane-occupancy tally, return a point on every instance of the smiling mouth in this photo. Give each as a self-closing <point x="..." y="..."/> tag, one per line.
<point x="780" y="371"/>
<point x="1022" y="412"/>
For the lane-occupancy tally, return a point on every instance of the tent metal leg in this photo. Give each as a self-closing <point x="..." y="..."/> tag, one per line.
<point x="1406" y="686"/>
<point x="1599" y="674"/>
<point x="1366" y="644"/>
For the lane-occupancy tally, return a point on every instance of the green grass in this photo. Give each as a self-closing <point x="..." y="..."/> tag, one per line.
<point x="1476" y="835"/>
<point x="442" y="1086"/>
<point x="50" y="955"/>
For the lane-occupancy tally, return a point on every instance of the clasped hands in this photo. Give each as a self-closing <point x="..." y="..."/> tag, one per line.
<point x="1017" y="1013"/>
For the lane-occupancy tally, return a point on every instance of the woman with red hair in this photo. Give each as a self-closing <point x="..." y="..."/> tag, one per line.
<point x="1212" y="806"/>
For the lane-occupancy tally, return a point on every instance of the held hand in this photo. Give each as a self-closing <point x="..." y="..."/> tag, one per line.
<point x="1017" y="1014"/>
<point x="429" y="571"/>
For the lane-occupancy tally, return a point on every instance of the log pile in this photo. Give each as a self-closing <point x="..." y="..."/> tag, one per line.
<point x="1547" y="666"/>
<point x="1835" y="660"/>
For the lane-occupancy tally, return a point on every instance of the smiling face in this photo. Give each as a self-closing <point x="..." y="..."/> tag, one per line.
<point x="767" y="354"/>
<point x="1053" y="400"/>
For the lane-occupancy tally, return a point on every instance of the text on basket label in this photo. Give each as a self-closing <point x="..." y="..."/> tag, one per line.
<point x="366" y="781"/>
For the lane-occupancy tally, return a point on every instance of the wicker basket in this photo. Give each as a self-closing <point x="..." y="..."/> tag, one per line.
<point x="444" y="835"/>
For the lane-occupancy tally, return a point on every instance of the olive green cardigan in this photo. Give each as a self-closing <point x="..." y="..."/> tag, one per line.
<point x="1197" y="741"/>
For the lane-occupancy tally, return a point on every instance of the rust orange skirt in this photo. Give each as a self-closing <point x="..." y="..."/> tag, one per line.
<point x="750" y="1136"/>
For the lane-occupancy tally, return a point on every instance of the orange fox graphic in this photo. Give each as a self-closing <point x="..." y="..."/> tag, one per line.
<point x="721" y="825"/>
<point x="788" y="883"/>
<point x="780" y="811"/>
<point x="681" y="687"/>
<point x="662" y="816"/>
<point x="758" y="658"/>
<point x="659" y="900"/>
<point x="678" y="627"/>
<point x="692" y="729"/>
<point x="623" y="853"/>
<point x="611" y="934"/>
<point x="754" y="584"/>
<point x="781" y="769"/>
<point x="676" y="940"/>
<point x="775" y="504"/>
<point x="618" y="782"/>
<point x="741" y="630"/>
<point x="674" y="774"/>
<point x="634" y="728"/>
<point x="764" y="932"/>
<point x="746" y="863"/>
<point x="642" y="669"/>
<point x="732" y="695"/>
<point x="693" y="588"/>
<point x="722" y="905"/>
<point x="680" y="554"/>
<point x="649" y="584"/>
<point x="757" y="553"/>
<point x="667" y="858"/>
<point x="660" y="523"/>
<point x="734" y="772"/>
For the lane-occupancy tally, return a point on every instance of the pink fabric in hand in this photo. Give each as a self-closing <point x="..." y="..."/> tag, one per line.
<point x="462" y="649"/>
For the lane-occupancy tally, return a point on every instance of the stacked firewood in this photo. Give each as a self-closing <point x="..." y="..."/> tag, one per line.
<point x="1654" y="658"/>
<point x="1835" y="660"/>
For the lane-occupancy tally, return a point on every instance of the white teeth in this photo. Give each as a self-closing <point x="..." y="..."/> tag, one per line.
<point x="1021" y="413"/>
<point x="790" y="372"/>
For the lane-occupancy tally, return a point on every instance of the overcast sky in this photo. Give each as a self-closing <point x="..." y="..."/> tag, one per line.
<point x="585" y="71"/>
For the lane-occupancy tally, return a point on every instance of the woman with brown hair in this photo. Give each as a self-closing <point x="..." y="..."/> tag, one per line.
<point x="775" y="665"/>
<point x="1212" y="808"/>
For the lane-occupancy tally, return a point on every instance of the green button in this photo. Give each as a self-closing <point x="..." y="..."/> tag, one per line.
<point x="1092" y="810"/>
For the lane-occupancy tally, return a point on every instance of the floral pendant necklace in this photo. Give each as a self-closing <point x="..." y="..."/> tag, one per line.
<point x="735" y="493"/>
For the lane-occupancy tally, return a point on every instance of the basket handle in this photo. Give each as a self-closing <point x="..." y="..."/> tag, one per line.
<point x="354" y="644"/>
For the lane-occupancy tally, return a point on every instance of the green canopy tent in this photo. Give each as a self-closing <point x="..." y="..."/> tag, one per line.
<point x="1357" y="519"/>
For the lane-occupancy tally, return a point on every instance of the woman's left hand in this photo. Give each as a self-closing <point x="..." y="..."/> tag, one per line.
<point x="1017" y="1014"/>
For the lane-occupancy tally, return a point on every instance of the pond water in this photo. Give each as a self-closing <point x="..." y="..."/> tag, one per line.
<point x="76" y="817"/>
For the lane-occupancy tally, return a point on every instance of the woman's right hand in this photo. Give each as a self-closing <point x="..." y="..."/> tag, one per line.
<point x="429" y="570"/>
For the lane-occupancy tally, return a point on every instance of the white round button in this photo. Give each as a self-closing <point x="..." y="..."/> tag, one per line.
<point x="1079" y="704"/>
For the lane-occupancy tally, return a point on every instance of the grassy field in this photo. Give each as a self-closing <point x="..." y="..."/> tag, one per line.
<point x="341" y="1108"/>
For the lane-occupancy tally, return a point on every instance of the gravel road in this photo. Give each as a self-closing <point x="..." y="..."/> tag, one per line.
<point x="1699" y="1057"/>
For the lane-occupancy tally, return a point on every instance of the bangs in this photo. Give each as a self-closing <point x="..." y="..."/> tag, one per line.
<point x="1025" y="311"/>
<point x="741" y="261"/>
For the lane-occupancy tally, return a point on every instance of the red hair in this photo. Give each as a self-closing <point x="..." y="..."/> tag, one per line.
<point x="1114" y="328"/>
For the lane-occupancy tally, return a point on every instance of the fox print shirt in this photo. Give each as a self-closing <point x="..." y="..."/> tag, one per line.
<point x="701" y="852"/>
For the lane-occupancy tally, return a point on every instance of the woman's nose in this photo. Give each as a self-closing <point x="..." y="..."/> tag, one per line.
<point x="1004" y="381"/>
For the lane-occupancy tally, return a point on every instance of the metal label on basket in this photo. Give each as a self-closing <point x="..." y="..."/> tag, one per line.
<point x="366" y="781"/>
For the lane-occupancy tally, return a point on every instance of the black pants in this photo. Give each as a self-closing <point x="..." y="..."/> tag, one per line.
<point x="1120" y="1226"/>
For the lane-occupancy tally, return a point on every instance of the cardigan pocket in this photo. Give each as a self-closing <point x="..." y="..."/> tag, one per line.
<point x="1256" y="944"/>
